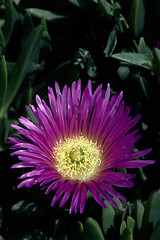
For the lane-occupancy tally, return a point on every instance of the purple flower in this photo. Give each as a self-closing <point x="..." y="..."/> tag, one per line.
<point x="76" y="144"/>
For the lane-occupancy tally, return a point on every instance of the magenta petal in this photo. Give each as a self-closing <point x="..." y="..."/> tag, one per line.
<point x="83" y="197"/>
<point x="67" y="194"/>
<point x="95" y="193"/>
<point x="134" y="164"/>
<point x="75" y="199"/>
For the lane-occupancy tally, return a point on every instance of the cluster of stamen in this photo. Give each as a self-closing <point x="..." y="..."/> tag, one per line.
<point x="77" y="158"/>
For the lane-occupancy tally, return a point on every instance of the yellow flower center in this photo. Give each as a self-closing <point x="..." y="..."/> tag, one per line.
<point x="77" y="158"/>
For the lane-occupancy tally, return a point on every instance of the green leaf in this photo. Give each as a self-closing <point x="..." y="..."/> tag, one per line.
<point x="92" y="230"/>
<point x="130" y="223"/>
<point x="33" y="68"/>
<point x="144" y="89"/>
<point x="137" y="17"/>
<point x="137" y="59"/>
<point x="41" y="13"/>
<point x="142" y="48"/>
<point x="1" y="238"/>
<point x="122" y="227"/>
<point x="156" y="55"/>
<point x="152" y="213"/>
<point x="17" y="2"/>
<point x="2" y="43"/>
<point x="4" y="129"/>
<point x="11" y="17"/>
<point x="139" y="214"/>
<point x="127" y="234"/>
<point x="105" y="7"/>
<point x="108" y="215"/>
<point x="3" y="80"/>
<point x="156" y="233"/>
<point x="30" y="48"/>
<point x="112" y="41"/>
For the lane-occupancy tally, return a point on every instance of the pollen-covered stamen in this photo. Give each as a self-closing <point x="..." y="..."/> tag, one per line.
<point x="77" y="158"/>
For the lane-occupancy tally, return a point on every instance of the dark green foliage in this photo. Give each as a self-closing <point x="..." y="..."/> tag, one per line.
<point x="102" y="40"/>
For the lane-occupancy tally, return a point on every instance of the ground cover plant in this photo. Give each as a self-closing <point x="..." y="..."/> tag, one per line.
<point x="77" y="79"/>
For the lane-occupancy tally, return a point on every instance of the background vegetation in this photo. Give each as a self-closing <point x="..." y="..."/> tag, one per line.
<point x="105" y="41"/>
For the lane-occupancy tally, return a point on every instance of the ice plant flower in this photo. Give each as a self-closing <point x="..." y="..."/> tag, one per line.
<point x="76" y="143"/>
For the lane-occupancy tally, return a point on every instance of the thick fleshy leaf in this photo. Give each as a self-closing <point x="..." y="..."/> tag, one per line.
<point x="139" y="214"/>
<point x="127" y="234"/>
<point x="92" y="230"/>
<point x="137" y="17"/>
<point x="108" y="215"/>
<point x="156" y="233"/>
<point x="3" y="80"/>
<point x="152" y="213"/>
<point x="122" y="227"/>
<point x="130" y="223"/>
<point x="30" y="48"/>
<point x="137" y="59"/>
